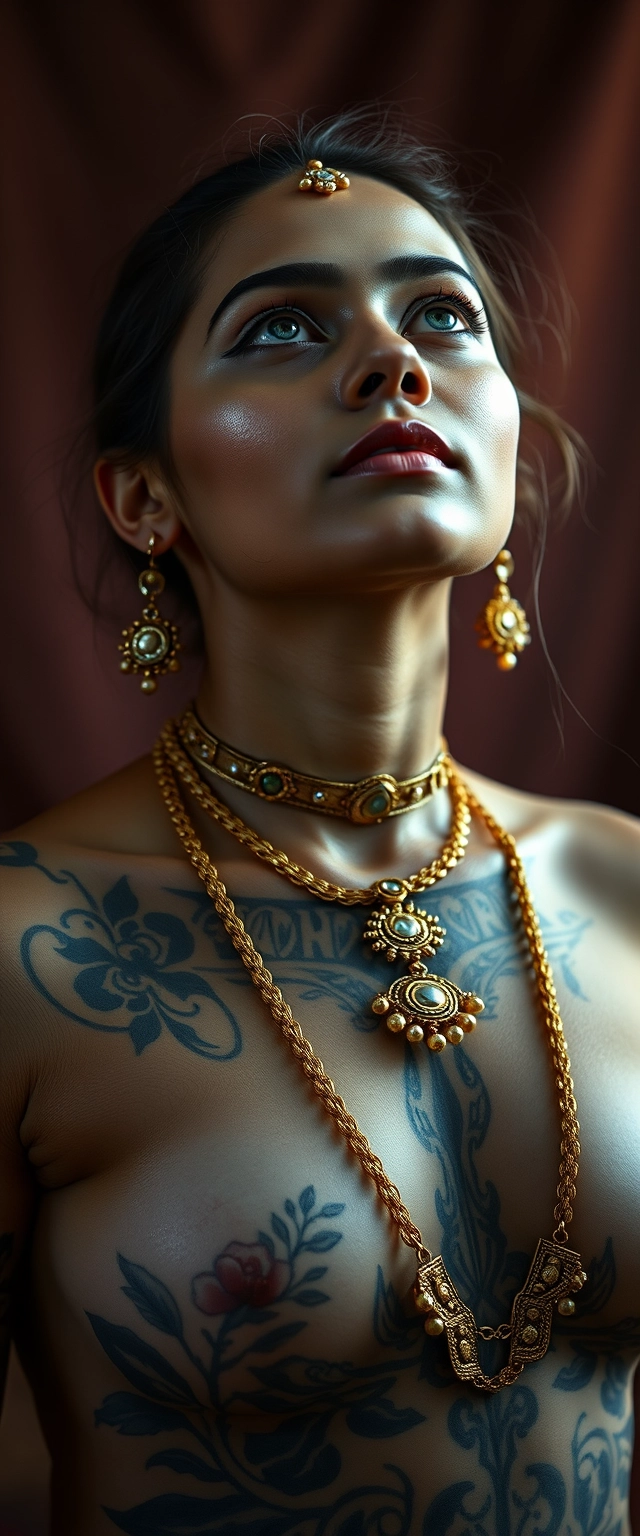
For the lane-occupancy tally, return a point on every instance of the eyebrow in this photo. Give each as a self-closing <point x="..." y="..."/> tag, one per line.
<point x="324" y="274"/>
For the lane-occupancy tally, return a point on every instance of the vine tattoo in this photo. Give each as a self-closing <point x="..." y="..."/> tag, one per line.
<point x="254" y="1481"/>
<point x="286" y="1477"/>
<point x="193" y="1377"/>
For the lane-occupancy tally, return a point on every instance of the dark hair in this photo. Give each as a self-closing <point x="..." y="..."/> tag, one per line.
<point x="161" y="276"/>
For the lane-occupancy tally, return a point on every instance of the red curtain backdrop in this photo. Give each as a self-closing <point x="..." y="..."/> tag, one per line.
<point x="110" y="108"/>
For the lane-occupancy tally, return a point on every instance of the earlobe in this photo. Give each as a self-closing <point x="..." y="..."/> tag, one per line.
<point x="135" y="509"/>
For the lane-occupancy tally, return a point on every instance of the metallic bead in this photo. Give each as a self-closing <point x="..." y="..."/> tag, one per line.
<point x="148" y="685"/>
<point x="125" y="666"/>
<point x="424" y="1301"/>
<point x="465" y="1349"/>
<point x="434" y="1326"/>
<point x="415" y="1034"/>
<point x="529" y="1334"/>
<point x="566" y="1307"/>
<point x="472" y="1003"/>
<point x="503" y="565"/>
<point x="467" y="1022"/>
<point x="314" y="165"/>
<point x="436" y="1042"/>
<point x="151" y="583"/>
<point x="380" y="1003"/>
<point x="507" y="661"/>
<point x="455" y="1034"/>
<point x="550" y="1274"/>
<point x="396" y="1022"/>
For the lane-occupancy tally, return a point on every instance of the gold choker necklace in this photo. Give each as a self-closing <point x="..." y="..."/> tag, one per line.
<point x="368" y="801"/>
<point x="422" y="1003"/>
<point x="556" y="1270"/>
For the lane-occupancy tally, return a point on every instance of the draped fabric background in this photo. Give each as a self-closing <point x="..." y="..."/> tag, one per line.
<point x="110" y="108"/>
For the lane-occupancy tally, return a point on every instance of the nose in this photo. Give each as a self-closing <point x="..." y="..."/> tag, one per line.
<point x="387" y="367"/>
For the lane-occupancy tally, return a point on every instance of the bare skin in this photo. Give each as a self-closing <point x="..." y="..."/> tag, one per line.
<point x="149" y="1109"/>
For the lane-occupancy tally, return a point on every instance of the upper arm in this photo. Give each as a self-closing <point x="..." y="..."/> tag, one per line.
<point x="17" y="1189"/>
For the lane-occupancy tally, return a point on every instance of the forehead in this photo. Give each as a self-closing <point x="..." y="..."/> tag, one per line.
<point x="357" y="229"/>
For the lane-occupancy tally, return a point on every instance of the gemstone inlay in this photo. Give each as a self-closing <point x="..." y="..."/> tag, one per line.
<point x="390" y="887"/>
<point x="429" y="995"/>
<point x="271" y="783"/>
<point x="377" y="804"/>
<point x="149" y="644"/>
<point x="405" y="926"/>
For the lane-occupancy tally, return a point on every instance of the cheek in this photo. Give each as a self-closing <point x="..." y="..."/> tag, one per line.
<point x="237" y="450"/>
<point x="493" y="415"/>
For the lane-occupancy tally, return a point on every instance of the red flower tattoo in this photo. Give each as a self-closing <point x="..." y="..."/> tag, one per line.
<point x="244" y="1274"/>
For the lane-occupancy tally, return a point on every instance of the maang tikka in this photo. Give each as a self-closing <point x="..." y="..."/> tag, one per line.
<point x="150" y="645"/>
<point x="502" y="624"/>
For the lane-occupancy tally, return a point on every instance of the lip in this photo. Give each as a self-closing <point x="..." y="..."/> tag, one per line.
<point x="401" y="447"/>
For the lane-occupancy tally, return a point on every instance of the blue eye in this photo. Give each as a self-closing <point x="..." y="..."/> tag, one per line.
<point x="442" y="319"/>
<point x="283" y="329"/>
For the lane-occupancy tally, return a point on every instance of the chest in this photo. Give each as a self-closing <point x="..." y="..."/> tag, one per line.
<point x="183" y="1135"/>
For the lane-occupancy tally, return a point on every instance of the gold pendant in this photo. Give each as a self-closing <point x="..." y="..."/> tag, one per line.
<point x="422" y="1002"/>
<point x="555" y="1272"/>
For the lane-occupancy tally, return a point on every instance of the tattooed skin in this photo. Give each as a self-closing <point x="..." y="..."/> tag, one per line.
<point x="280" y="1478"/>
<point x="123" y="961"/>
<point x="227" y="1401"/>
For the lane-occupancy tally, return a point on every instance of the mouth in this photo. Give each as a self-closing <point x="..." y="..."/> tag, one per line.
<point x="397" y="448"/>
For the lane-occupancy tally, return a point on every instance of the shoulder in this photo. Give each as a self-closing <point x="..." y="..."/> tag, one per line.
<point x="591" y="850"/>
<point x="120" y="814"/>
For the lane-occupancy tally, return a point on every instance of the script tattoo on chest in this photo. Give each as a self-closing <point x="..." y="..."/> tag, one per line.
<point x="114" y="964"/>
<point x="130" y="965"/>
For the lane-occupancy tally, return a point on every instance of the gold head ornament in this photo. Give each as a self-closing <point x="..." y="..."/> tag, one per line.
<point x="322" y="178"/>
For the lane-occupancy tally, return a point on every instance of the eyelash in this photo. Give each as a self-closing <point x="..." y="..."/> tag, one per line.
<point x="473" y="314"/>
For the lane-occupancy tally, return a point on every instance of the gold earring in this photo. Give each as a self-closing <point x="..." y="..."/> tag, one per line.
<point x="150" y="645"/>
<point x="502" y="623"/>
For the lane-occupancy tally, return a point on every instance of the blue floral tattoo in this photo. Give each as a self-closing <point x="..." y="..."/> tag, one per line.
<point x="125" y="963"/>
<point x="254" y="1481"/>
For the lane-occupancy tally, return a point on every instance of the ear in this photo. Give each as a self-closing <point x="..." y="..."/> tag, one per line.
<point x="137" y="503"/>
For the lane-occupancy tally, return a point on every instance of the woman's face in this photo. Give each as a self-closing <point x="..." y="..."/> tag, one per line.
<point x="279" y="374"/>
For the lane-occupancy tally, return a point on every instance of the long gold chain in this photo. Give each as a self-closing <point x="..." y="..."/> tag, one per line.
<point x="452" y="851"/>
<point x="555" y="1269"/>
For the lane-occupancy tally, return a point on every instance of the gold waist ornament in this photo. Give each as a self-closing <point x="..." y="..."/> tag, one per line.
<point x="556" y="1272"/>
<point x="366" y="802"/>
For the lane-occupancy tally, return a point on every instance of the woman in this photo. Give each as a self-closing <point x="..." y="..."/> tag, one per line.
<point x="230" y="1321"/>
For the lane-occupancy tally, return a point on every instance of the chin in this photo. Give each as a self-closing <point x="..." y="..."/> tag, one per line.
<point x="417" y="538"/>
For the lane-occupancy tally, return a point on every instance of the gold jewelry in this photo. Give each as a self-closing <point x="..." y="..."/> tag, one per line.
<point x="319" y="178"/>
<point x="367" y="801"/>
<point x="556" y="1270"/>
<point x="423" y="1003"/>
<point x="502" y="624"/>
<point x="150" y="645"/>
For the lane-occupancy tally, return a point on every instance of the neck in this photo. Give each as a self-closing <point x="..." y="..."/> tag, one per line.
<point x="341" y="689"/>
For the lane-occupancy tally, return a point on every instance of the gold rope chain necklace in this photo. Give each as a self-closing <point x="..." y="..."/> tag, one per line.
<point x="422" y="1003"/>
<point x="368" y="801"/>
<point x="556" y="1270"/>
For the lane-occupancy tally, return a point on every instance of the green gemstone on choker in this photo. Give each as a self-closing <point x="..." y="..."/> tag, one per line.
<point x="377" y="804"/>
<point x="271" y="784"/>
